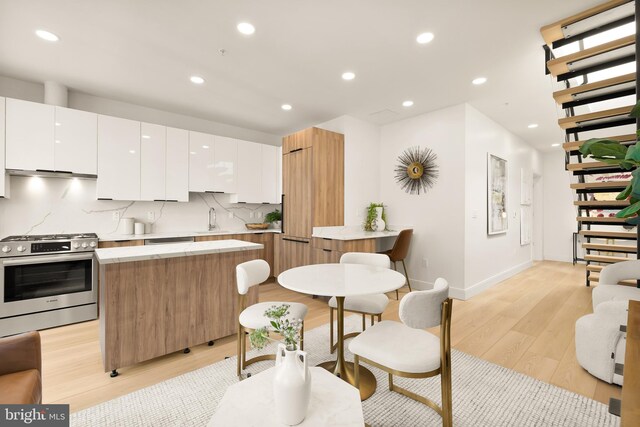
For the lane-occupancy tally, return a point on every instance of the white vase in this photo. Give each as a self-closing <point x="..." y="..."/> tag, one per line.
<point x="291" y="386"/>
<point x="378" y="224"/>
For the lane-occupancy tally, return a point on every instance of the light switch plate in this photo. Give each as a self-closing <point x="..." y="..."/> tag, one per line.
<point x="115" y="216"/>
<point x="151" y="216"/>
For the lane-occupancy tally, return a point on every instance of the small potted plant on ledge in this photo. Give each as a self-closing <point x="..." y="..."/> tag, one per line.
<point x="274" y="218"/>
<point x="376" y="219"/>
<point x="292" y="380"/>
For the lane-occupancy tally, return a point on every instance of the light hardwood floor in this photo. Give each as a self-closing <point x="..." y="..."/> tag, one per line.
<point x="525" y="323"/>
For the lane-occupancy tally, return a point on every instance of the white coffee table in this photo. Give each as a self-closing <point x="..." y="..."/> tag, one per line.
<point x="250" y="403"/>
<point x="343" y="280"/>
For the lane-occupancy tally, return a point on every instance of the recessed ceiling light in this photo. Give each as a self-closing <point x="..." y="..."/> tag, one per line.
<point x="145" y="137"/>
<point x="192" y="152"/>
<point x="533" y="126"/>
<point x="424" y="38"/>
<point x="555" y="145"/>
<point x="479" y="81"/>
<point x="407" y="103"/>
<point x="205" y="146"/>
<point x="132" y="151"/>
<point x="58" y="123"/>
<point x="57" y="141"/>
<point x="46" y="35"/>
<point x="246" y="28"/>
<point x="348" y="75"/>
<point x="286" y="107"/>
<point x="196" y="80"/>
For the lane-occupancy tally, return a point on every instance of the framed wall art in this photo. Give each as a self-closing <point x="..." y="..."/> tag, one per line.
<point x="497" y="184"/>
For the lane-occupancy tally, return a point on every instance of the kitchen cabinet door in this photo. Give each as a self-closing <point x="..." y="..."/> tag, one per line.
<point x="4" y="179"/>
<point x="118" y="159"/>
<point x="29" y="135"/>
<point x="294" y="253"/>
<point x="76" y="141"/>
<point x="297" y="173"/>
<point x="200" y="161"/>
<point x="225" y="164"/>
<point x="177" y="174"/>
<point x="153" y="158"/>
<point x="269" y="184"/>
<point x="279" y="175"/>
<point x="249" y="172"/>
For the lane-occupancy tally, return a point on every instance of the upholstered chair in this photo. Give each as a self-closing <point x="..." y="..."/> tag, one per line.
<point x="407" y="350"/>
<point x="608" y="288"/>
<point x="372" y="305"/>
<point x="21" y="369"/>
<point x="249" y="274"/>
<point x="400" y="251"/>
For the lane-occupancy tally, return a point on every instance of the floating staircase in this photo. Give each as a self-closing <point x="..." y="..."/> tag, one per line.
<point x="591" y="58"/>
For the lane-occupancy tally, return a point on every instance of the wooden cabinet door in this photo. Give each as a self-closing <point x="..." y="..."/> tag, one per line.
<point x="297" y="141"/>
<point x="294" y="253"/>
<point x="297" y="176"/>
<point x="326" y="256"/>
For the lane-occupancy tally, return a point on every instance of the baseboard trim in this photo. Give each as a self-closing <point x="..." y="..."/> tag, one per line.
<point x="477" y="288"/>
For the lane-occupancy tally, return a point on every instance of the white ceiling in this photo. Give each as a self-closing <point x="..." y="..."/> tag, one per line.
<point x="143" y="52"/>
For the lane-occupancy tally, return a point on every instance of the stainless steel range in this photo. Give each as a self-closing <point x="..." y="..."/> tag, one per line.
<point x="47" y="281"/>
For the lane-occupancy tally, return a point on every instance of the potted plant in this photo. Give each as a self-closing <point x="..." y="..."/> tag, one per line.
<point x="627" y="158"/>
<point x="376" y="219"/>
<point x="275" y="218"/>
<point x="291" y="380"/>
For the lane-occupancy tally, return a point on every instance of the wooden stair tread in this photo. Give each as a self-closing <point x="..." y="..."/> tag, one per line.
<point x="589" y="165"/>
<point x="604" y="247"/>
<point x="575" y="145"/>
<point x="597" y="203"/>
<point x="595" y="278"/>
<point x="560" y="65"/>
<point x="607" y="259"/>
<point x="574" y="121"/>
<point x="567" y="95"/>
<point x="598" y="185"/>
<point x="594" y="268"/>
<point x="553" y="32"/>
<point x="609" y="234"/>
<point x="606" y="219"/>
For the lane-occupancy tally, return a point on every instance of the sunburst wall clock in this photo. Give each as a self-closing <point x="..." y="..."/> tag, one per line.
<point x="417" y="171"/>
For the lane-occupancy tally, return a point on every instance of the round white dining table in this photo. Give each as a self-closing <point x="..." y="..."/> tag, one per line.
<point x="340" y="281"/>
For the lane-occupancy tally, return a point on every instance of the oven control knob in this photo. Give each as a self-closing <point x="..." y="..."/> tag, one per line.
<point x="21" y="248"/>
<point x="76" y="245"/>
<point x="84" y="245"/>
<point x="6" y="249"/>
<point x="92" y="244"/>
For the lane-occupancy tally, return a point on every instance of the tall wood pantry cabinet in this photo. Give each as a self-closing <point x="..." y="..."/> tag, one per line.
<point x="313" y="192"/>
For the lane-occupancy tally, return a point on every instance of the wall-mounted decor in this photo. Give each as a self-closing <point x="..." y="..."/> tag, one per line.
<point x="417" y="170"/>
<point x="526" y="187"/>
<point x="497" y="183"/>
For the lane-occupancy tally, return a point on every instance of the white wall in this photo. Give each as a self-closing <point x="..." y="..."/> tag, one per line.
<point x="362" y="177"/>
<point x="437" y="216"/>
<point x="559" y="214"/>
<point x="492" y="258"/>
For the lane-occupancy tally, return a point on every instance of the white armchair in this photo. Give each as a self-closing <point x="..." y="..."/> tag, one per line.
<point x="608" y="288"/>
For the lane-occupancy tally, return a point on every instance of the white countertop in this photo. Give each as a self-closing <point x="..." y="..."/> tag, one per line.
<point x="171" y="250"/>
<point x="341" y="280"/>
<point x="353" y="233"/>
<point x="167" y="235"/>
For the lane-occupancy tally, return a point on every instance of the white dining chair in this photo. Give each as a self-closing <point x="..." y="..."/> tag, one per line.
<point x="249" y="274"/>
<point x="407" y="350"/>
<point x="372" y="305"/>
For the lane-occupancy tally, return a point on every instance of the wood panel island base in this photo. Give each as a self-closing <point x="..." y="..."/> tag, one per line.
<point x="156" y="300"/>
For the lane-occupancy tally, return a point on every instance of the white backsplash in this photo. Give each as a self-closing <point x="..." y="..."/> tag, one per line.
<point x="68" y="205"/>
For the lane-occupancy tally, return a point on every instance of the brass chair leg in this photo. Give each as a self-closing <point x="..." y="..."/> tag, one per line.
<point x="446" y="392"/>
<point x="395" y="267"/>
<point x="364" y="324"/>
<point x="372" y="320"/>
<point x="380" y="317"/>
<point x="390" y="382"/>
<point x="243" y="342"/>
<point x="302" y="337"/>
<point x="406" y="273"/>
<point x="239" y="348"/>
<point x="356" y="370"/>
<point x="330" y="330"/>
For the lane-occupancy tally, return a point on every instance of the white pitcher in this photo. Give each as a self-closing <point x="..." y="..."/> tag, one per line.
<point x="378" y="223"/>
<point x="291" y="386"/>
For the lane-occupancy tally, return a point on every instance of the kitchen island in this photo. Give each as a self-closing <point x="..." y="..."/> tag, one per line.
<point x="155" y="300"/>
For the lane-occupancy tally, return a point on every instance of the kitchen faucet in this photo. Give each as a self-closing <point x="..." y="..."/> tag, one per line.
<point x="212" y="219"/>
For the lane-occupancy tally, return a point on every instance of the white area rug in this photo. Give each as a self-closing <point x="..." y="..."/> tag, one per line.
<point x="484" y="394"/>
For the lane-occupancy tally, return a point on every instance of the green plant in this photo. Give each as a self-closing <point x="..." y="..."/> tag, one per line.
<point x="371" y="215"/>
<point x="627" y="158"/>
<point x="273" y="216"/>
<point x="288" y="329"/>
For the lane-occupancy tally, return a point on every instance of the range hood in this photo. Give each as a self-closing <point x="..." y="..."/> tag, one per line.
<point x="50" y="173"/>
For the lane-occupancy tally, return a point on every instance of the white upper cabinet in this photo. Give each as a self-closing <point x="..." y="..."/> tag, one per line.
<point x="76" y="141"/>
<point x="118" y="159"/>
<point x="269" y="188"/>
<point x="4" y="179"/>
<point x="29" y="135"/>
<point x="177" y="173"/>
<point x="249" y="172"/>
<point x="200" y="162"/>
<point x="153" y="158"/>
<point x="225" y="164"/>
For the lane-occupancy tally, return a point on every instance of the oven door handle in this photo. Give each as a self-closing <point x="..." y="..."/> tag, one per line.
<point x="44" y="259"/>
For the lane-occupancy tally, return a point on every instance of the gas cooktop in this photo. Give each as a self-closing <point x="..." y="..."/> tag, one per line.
<point x="41" y="237"/>
<point x="39" y="244"/>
